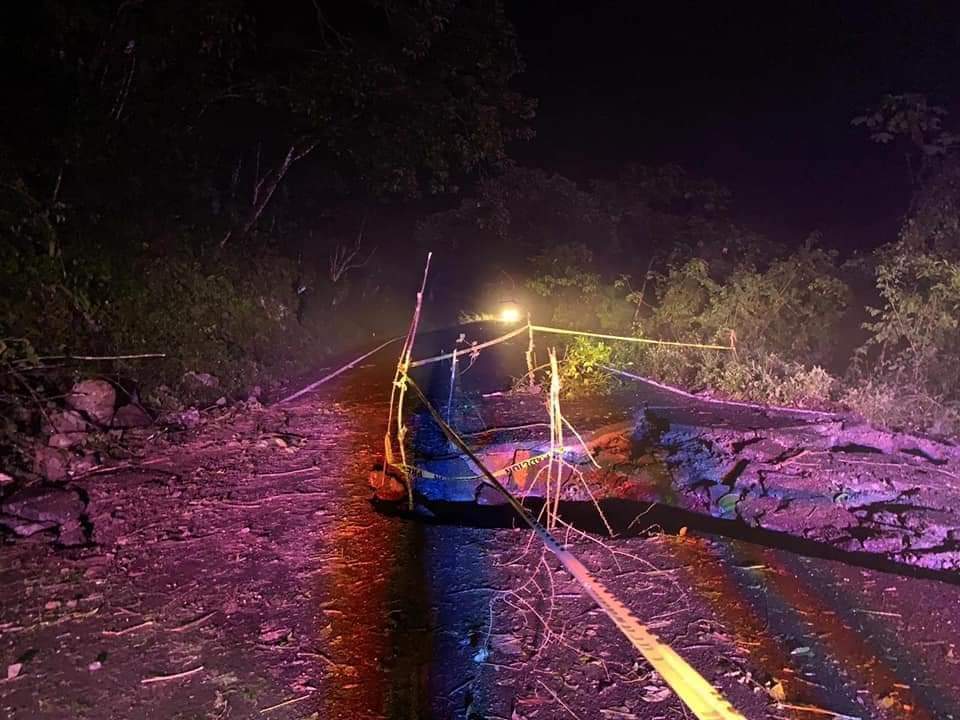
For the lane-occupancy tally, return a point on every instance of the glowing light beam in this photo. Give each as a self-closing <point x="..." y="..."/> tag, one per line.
<point x="510" y="314"/>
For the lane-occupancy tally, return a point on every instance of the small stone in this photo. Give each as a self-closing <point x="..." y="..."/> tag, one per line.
<point x="64" y="441"/>
<point x="5" y="480"/>
<point x="387" y="487"/>
<point x="94" y="666"/>
<point x="131" y="416"/>
<point x="24" y="528"/>
<point x="95" y="399"/>
<point x="52" y="463"/>
<point x="45" y="505"/>
<point x="187" y="420"/>
<point x="201" y="388"/>
<point x="205" y="380"/>
<point x="717" y="491"/>
<point x="488" y="495"/>
<point x="51" y="605"/>
<point x="66" y="421"/>
<point x="72" y="534"/>
<point x="14" y="670"/>
<point x="84" y="464"/>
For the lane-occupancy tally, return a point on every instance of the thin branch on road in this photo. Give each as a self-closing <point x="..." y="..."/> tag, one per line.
<point x="175" y="676"/>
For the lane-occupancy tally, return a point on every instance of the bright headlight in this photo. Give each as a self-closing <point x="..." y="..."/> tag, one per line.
<point x="510" y="314"/>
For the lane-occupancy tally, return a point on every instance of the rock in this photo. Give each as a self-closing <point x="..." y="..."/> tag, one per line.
<point x="65" y="441"/>
<point x="194" y="380"/>
<point x="201" y="388"/>
<point x="5" y="479"/>
<point x="45" y="505"/>
<point x="24" y="528"/>
<point x="84" y="464"/>
<point x="95" y="399"/>
<point x="647" y="431"/>
<point x="72" y="534"/>
<point x="387" y="486"/>
<point x="52" y="463"/>
<point x="67" y="421"/>
<point x="131" y="416"/>
<point x="186" y="420"/>
<point x="165" y="400"/>
<point x="487" y="495"/>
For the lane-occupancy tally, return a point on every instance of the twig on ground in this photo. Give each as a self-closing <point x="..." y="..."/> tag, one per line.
<point x="557" y="698"/>
<point x="581" y="441"/>
<point x="175" y="676"/>
<point x="654" y="570"/>
<point x="881" y="613"/>
<point x="634" y="521"/>
<point x="193" y="623"/>
<point x="321" y="656"/>
<point x="127" y="631"/>
<point x="287" y="473"/>
<point x="593" y="499"/>
<point x="814" y="710"/>
<point x="142" y="356"/>
<point x="506" y="428"/>
<point x="291" y="701"/>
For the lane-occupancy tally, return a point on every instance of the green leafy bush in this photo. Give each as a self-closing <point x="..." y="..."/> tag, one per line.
<point x="579" y="297"/>
<point x="908" y="372"/>
<point x="790" y="308"/>
<point x="581" y="368"/>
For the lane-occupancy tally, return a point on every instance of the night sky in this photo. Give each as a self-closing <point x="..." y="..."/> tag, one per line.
<point x="757" y="95"/>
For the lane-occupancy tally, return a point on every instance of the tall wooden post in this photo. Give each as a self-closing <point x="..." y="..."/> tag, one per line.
<point x="531" y="358"/>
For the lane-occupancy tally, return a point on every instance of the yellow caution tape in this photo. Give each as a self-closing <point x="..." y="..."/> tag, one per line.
<point x="502" y="472"/>
<point x="625" y="338"/>
<point x="561" y="331"/>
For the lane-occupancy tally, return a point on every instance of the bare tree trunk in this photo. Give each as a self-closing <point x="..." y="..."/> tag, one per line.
<point x="266" y="186"/>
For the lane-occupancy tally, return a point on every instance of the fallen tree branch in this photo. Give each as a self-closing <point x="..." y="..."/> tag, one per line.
<point x="267" y="185"/>
<point x="141" y="356"/>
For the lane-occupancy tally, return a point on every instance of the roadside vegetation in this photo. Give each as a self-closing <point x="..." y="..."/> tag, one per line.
<point x="260" y="208"/>
<point x="877" y="333"/>
<point x="656" y="254"/>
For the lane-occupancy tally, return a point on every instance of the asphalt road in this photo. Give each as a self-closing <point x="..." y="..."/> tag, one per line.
<point x="826" y="638"/>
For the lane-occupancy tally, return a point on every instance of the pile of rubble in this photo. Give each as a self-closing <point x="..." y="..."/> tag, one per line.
<point x="84" y="433"/>
<point x="71" y="443"/>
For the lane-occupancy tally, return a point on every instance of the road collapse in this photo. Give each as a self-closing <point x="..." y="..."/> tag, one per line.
<point x="700" y="696"/>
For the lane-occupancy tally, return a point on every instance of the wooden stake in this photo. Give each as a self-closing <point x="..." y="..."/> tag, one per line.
<point x="398" y="391"/>
<point x="453" y="381"/>
<point x="531" y="358"/>
<point x="556" y="442"/>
